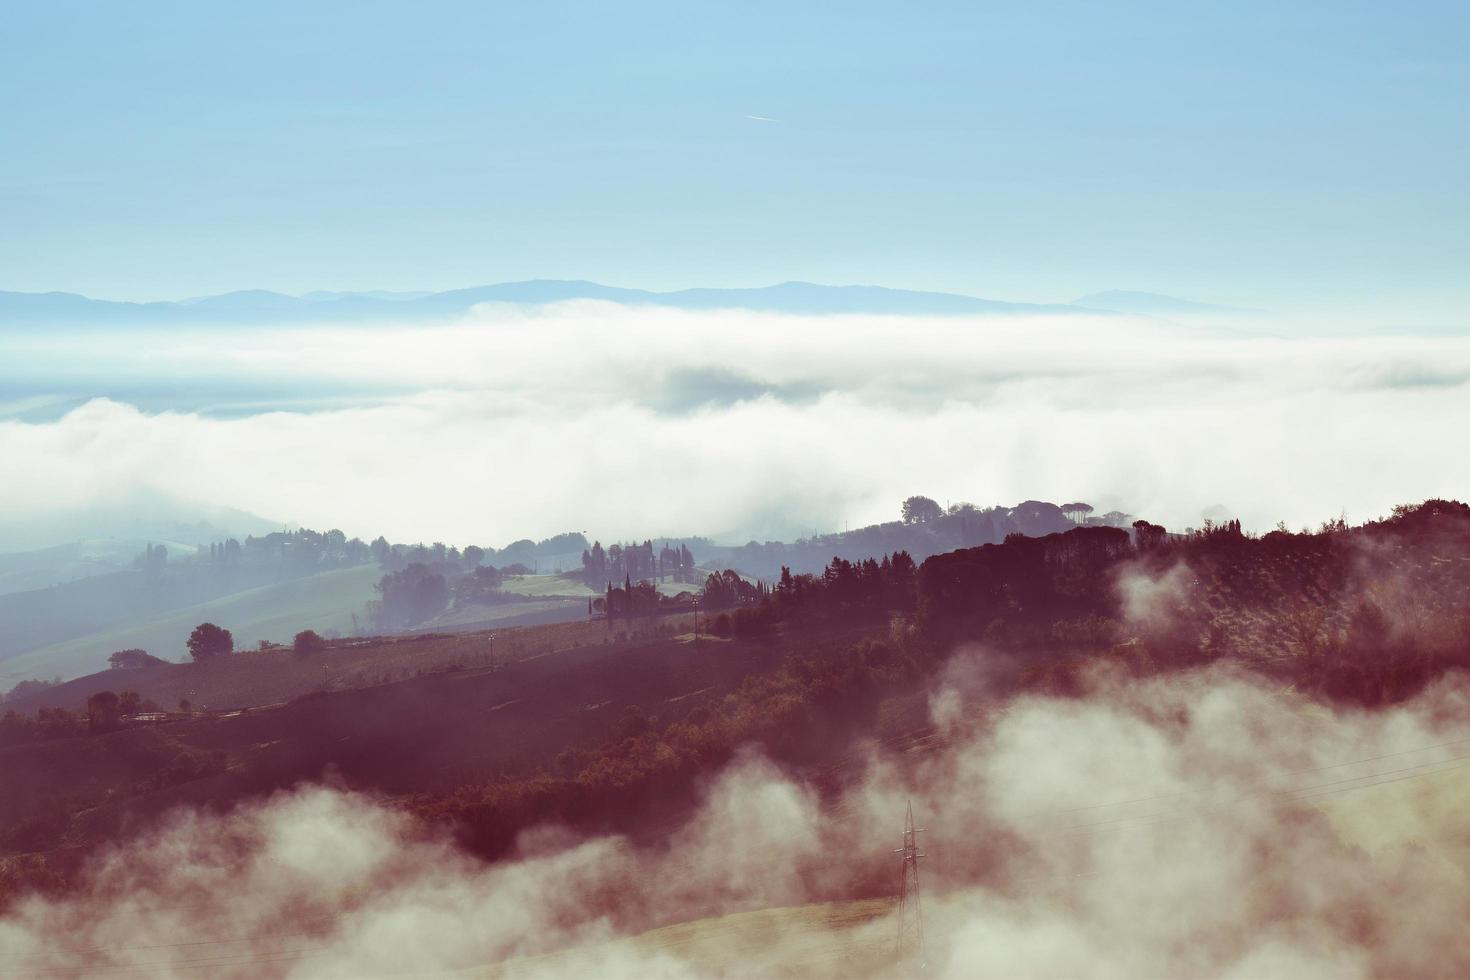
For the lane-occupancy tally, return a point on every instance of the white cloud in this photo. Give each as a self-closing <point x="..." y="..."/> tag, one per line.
<point x="623" y="421"/>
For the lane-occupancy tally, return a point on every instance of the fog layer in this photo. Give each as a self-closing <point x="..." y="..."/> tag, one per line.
<point x="621" y="421"/>
<point x="1203" y="825"/>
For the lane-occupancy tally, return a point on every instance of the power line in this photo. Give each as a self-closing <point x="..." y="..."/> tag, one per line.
<point x="910" y="911"/>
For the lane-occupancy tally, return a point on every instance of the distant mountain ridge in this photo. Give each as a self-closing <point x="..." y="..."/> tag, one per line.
<point x="263" y="306"/>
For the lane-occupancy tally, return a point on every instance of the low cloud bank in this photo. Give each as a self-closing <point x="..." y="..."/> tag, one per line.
<point x="1198" y="825"/>
<point x="626" y="421"/>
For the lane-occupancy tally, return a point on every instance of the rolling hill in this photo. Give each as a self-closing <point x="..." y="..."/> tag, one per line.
<point x="325" y="602"/>
<point x="612" y="726"/>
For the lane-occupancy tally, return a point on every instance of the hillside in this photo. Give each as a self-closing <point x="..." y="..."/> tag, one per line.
<point x="961" y="525"/>
<point x="329" y="602"/>
<point x="275" y="585"/>
<point x="160" y="583"/>
<point x="400" y="715"/>
<point x="119" y="525"/>
<point x="27" y="571"/>
<point x="616" y="725"/>
<point x="252" y="678"/>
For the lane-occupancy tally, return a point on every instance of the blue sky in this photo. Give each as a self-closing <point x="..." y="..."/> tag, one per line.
<point x="1290" y="156"/>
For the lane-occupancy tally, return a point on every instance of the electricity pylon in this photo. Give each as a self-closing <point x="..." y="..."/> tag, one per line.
<point x="910" y="914"/>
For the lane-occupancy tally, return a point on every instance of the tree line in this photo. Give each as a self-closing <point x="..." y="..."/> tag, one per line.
<point x="637" y="563"/>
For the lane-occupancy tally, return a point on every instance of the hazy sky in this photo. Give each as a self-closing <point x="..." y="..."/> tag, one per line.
<point x="1292" y="156"/>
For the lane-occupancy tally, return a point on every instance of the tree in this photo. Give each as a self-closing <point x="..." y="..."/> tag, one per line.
<point x="308" y="642"/>
<point x="102" y="711"/>
<point x="209" y="640"/>
<point x="27" y="688"/>
<point x="1148" y="536"/>
<point x="919" y="510"/>
<point x="1077" y="511"/>
<point x="132" y="659"/>
<point x="412" y="595"/>
<point x="594" y="566"/>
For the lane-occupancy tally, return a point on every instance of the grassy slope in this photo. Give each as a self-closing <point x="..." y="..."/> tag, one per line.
<point x="547" y="600"/>
<point x="547" y="585"/>
<point x="26" y="571"/>
<point x="252" y="678"/>
<point x="524" y="613"/>
<point x="418" y="733"/>
<point x="271" y="612"/>
<point x="571" y="584"/>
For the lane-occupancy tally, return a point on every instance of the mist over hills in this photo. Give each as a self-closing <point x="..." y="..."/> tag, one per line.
<point x="67" y="608"/>
<point x="524" y="494"/>
<point x="1275" y="673"/>
<point x="136" y="516"/>
<point x="1152" y="304"/>
<point x="264" y="306"/>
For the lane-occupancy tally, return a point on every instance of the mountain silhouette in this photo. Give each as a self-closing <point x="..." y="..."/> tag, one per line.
<point x="257" y="306"/>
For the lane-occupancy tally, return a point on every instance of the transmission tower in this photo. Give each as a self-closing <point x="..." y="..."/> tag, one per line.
<point x="910" y="914"/>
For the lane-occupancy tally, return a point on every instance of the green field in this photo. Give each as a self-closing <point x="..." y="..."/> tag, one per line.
<point x="570" y="584"/>
<point x="548" y="585"/>
<point x="550" y="608"/>
<point x="271" y="612"/>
